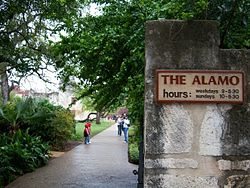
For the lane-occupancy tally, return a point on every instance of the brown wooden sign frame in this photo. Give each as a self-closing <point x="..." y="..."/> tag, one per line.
<point x="177" y="83"/>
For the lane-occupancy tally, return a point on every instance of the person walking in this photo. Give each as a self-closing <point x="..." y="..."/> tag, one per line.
<point x="126" y="124"/>
<point x="120" y="125"/>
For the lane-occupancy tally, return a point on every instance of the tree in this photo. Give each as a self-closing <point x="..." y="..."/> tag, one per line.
<point x="106" y="52"/>
<point x="234" y="19"/>
<point x="89" y="105"/>
<point x="25" y="27"/>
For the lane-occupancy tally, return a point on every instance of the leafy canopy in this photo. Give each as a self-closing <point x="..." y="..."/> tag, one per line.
<point x="106" y="52"/>
<point x="26" y="30"/>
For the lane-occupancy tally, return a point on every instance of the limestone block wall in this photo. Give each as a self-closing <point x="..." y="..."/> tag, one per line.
<point x="194" y="145"/>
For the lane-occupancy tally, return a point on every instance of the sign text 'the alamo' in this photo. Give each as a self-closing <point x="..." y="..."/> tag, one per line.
<point x="200" y="86"/>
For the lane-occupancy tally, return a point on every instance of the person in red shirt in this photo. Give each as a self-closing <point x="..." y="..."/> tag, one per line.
<point x="86" y="133"/>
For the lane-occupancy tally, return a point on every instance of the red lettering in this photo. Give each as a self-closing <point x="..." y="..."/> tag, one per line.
<point x="182" y="79"/>
<point x="203" y="80"/>
<point x="196" y="80"/>
<point x="212" y="80"/>
<point x="165" y="78"/>
<point x="234" y="80"/>
<point x="174" y="79"/>
<point x="222" y="80"/>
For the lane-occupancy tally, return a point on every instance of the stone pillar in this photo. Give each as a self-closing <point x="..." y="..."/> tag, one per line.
<point x="193" y="145"/>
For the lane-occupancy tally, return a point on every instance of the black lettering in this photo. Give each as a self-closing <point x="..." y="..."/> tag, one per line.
<point x="174" y="94"/>
<point x="185" y="95"/>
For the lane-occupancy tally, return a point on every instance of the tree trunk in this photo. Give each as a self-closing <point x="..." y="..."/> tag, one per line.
<point x="4" y="83"/>
<point x="98" y="118"/>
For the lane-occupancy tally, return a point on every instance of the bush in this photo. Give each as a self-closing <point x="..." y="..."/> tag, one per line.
<point x="53" y="124"/>
<point x="133" y="152"/>
<point x="20" y="153"/>
<point x="63" y="128"/>
<point x="27" y="127"/>
<point x="133" y="146"/>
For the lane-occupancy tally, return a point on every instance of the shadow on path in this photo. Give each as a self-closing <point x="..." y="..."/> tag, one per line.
<point x="102" y="164"/>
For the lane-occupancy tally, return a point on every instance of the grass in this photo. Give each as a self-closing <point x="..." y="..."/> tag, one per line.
<point x="95" y="128"/>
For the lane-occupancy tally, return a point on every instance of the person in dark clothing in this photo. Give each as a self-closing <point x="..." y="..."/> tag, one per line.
<point x="120" y="125"/>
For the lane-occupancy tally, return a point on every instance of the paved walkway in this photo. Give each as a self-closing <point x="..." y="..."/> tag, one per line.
<point x="102" y="164"/>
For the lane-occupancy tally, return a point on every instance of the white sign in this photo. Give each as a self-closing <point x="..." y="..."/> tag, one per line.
<point x="200" y="86"/>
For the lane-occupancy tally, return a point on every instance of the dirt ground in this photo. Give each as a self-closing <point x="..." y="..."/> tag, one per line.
<point x="69" y="146"/>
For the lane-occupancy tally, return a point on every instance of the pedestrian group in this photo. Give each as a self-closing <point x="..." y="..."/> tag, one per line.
<point x="123" y="125"/>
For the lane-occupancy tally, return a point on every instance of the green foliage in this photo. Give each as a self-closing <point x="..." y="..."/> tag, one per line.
<point x="234" y="19"/>
<point x="16" y="110"/>
<point x="88" y="103"/>
<point x="134" y="141"/>
<point x="63" y="128"/>
<point x="27" y="126"/>
<point x="20" y="153"/>
<point x="26" y="30"/>
<point x="133" y="153"/>
<point x="106" y="52"/>
<point x="53" y="124"/>
<point x="41" y="114"/>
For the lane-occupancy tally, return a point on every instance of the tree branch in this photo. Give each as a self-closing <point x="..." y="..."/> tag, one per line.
<point x="229" y="22"/>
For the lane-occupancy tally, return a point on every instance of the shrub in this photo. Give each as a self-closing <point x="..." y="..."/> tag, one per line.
<point x="133" y="153"/>
<point x="39" y="119"/>
<point x="133" y="146"/>
<point x="63" y="127"/>
<point x="20" y="153"/>
<point x="10" y="114"/>
<point x="53" y="124"/>
<point x="27" y="127"/>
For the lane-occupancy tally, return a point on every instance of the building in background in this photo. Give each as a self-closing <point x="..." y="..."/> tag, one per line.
<point x="65" y="99"/>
